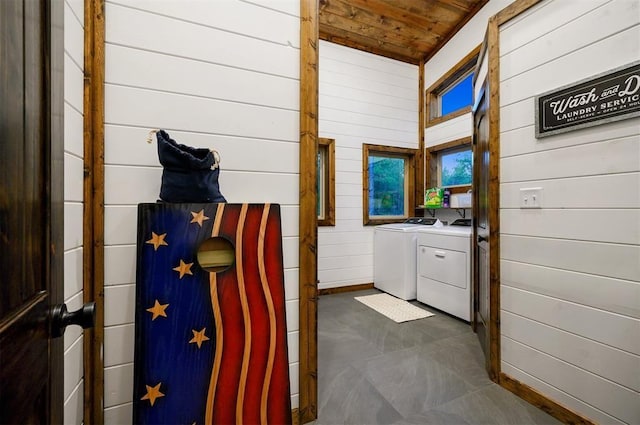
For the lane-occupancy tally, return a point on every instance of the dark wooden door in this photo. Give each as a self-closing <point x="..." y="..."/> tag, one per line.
<point x="481" y="159"/>
<point x="31" y="208"/>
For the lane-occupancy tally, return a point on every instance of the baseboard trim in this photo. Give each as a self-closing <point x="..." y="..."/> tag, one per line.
<point x="542" y="402"/>
<point x="341" y="289"/>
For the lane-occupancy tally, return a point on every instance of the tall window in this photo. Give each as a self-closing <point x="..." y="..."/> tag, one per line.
<point x="452" y="95"/>
<point x="326" y="182"/>
<point x="388" y="180"/>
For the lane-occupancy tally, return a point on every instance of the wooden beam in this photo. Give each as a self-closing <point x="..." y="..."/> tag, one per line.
<point x="308" y="272"/>
<point x="420" y="175"/>
<point x="494" y="199"/>
<point x="93" y="212"/>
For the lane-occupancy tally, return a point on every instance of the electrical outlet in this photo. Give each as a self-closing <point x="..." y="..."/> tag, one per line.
<point x="531" y="197"/>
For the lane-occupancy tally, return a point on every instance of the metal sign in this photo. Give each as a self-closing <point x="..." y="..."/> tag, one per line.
<point x="612" y="96"/>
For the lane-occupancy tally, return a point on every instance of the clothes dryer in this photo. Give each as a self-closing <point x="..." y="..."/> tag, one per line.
<point x="444" y="269"/>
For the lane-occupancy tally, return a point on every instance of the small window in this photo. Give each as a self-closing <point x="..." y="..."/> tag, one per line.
<point x="388" y="178"/>
<point x="452" y="95"/>
<point x="326" y="180"/>
<point x="455" y="167"/>
<point x="450" y="165"/>
<point x="459" y="95"/>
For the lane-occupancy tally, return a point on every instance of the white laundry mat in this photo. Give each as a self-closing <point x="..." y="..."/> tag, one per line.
<point x="394" y="308"/>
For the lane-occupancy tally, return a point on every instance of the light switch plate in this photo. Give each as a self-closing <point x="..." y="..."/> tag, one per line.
<point x="531" y="197"/>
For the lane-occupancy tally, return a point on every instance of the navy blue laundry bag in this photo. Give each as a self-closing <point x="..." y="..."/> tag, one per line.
<point x="188" y="174"/>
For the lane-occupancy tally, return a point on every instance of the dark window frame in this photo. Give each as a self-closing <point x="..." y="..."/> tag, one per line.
<point x="432" y="155"/>
<point x="411" y="160"/>
<point x="328" y="147"/>
<point x="432" y="97"/>
<point x="450" y="151"/>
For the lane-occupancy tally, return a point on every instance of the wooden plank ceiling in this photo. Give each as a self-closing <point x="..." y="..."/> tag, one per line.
<point x="406" y="30"/>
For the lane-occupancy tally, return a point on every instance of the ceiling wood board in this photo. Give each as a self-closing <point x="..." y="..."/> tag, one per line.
<point x="406" y="30"/>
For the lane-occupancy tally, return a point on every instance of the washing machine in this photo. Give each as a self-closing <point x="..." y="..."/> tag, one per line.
<point x="394" y="256"/>
<point x="444" y="268"/>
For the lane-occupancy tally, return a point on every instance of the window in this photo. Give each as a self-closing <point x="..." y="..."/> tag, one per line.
<point x="452" y="95"/>
<point x="455" y="167"/>
<point x="450" y="165"/>
<point x="457" y="96"/>
<point x="326" y="182"/>
<point x="388" y="180"/>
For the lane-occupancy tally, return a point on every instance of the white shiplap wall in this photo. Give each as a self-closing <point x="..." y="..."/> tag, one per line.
<point x="214" y="74"/>
<point x="570" y="272"/>
<point x="363" y="98"/>
<point x="73" y="199"/>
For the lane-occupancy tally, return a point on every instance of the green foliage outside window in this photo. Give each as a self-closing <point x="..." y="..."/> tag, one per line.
<point x="386" y="186"/>
<point x="456" y="168"/>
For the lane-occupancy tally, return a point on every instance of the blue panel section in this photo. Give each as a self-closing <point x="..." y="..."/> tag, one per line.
<point x="163" y="353"/>
<point x="458" y="96"/>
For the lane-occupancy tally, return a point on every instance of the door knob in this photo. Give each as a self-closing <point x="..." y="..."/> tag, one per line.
<point x="61" y="318"/>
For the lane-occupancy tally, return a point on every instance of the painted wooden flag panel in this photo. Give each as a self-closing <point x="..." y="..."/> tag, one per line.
<point x="210" y="347"/>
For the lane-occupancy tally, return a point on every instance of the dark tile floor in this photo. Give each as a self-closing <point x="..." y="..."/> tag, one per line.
<point x="372" y="370"/>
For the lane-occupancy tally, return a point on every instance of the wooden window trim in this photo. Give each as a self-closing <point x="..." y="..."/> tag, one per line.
<point x="330" y="183"/>
<point x="431" y="161"/>
<point x="420" y="164"/>
<point x="93" y="211"/>
<point x="411" y="156"/>
<point x="465" y="65"/>
<point x="308" y="219"/>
